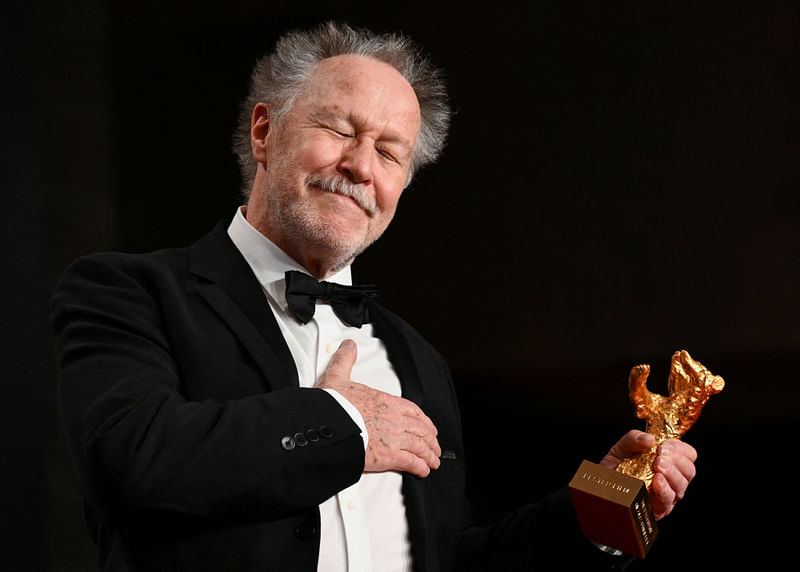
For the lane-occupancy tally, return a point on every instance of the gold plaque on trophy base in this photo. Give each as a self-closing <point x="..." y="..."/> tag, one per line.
<point x="613" y="509"/>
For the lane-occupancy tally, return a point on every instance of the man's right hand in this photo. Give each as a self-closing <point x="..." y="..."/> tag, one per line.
<point x="401" y="436"/>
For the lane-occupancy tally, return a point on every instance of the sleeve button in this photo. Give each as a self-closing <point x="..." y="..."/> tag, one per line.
<point x="287" y="443"/>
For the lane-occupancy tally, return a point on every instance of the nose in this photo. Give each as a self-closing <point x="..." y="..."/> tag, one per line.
<point x="357" y="162"/>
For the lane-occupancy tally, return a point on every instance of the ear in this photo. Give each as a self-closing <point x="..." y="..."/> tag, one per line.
<point x="259" y="129"/>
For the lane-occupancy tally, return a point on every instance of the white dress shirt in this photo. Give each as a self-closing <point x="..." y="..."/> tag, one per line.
<point x="364" y="527"/>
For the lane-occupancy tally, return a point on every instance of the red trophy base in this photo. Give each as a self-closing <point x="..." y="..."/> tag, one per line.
<point x="613" y="509"/>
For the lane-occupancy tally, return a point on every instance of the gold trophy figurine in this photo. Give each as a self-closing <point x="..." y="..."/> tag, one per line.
<point x="613" y="507"/>
<point x="690" y="385"/>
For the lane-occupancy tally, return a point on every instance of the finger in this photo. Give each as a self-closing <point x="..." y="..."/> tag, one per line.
<point x="413" y="415"/>
<point x="676" y="481"/>
<point x="662" y="496"/>
<point x="410" y="463"/>
<point x="427" y="433"/>
<point x="402" y="455"/>
<point x="676" y="448"/>
<point x="632" y="442"/>
<point x="681" y="455"/>
<point x="676" y="467"/>
<point x="421" y="449"/>
<point x="404" y="416"/>
<point x="411" y="409"/>
<point x="340" y="366"/>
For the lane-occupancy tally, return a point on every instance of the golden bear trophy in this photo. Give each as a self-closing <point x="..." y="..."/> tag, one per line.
<point x="613" y="507"/>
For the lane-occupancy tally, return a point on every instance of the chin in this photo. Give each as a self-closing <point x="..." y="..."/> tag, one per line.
<point x="338" y="236"/>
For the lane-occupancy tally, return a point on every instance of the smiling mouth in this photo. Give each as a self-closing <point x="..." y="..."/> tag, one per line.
<point x="341" y="186"/>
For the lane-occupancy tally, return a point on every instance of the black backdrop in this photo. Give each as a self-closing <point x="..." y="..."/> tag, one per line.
<point x="621" y="181"/>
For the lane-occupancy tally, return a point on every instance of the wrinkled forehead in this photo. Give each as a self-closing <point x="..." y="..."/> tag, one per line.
<point x="367" y="92"/>
<point x="352" y="74"/>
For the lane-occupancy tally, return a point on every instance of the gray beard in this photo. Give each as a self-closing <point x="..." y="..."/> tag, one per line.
<point x="297" y="219"/>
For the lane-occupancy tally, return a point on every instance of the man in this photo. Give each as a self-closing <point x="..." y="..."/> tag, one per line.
<point x="220" y="418"/>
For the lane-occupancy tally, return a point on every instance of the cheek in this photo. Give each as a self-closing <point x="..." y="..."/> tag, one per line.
<point x="388" y="193"/>
<point x="387" y="205"/>
<point x="319" y="152"/>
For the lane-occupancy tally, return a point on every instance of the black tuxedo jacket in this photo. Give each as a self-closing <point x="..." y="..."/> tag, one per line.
<point x="178" y="391"/>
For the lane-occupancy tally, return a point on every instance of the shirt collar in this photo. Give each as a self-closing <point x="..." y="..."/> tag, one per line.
<point x="268" y="262"/>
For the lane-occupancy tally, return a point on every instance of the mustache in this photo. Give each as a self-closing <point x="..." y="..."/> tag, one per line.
<point x="341" y="186"/>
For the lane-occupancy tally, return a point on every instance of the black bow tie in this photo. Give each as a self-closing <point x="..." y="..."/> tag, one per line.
<point x="349" y="302"/>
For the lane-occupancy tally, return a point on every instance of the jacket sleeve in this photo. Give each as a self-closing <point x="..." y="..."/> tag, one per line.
<point x="139" y="442"/>
<point x="542" y="535"/>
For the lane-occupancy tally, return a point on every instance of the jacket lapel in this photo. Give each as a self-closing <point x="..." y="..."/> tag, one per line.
<point x="227" y="283"/>
<point x="387" y="328"/>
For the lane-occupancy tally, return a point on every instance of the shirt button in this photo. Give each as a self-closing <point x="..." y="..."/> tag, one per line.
<point x="329" y="347"/>
<point x="351" y="505"/>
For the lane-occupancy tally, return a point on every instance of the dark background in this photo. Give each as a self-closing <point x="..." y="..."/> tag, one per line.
<point x="621" y="181"/>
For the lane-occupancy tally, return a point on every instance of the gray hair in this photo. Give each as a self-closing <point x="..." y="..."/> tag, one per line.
<point x="278" y="80"/>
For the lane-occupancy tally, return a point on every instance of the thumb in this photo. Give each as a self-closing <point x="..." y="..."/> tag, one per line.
<point x="632" y="442"/>
<point x="341" y="365"/>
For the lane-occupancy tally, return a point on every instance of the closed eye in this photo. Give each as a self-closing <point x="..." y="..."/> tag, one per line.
<point x="387" y="155"/>
<point x="341" y="133"/>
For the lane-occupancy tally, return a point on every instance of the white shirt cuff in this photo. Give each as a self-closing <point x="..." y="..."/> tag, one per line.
<point x="353" y="412"/>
